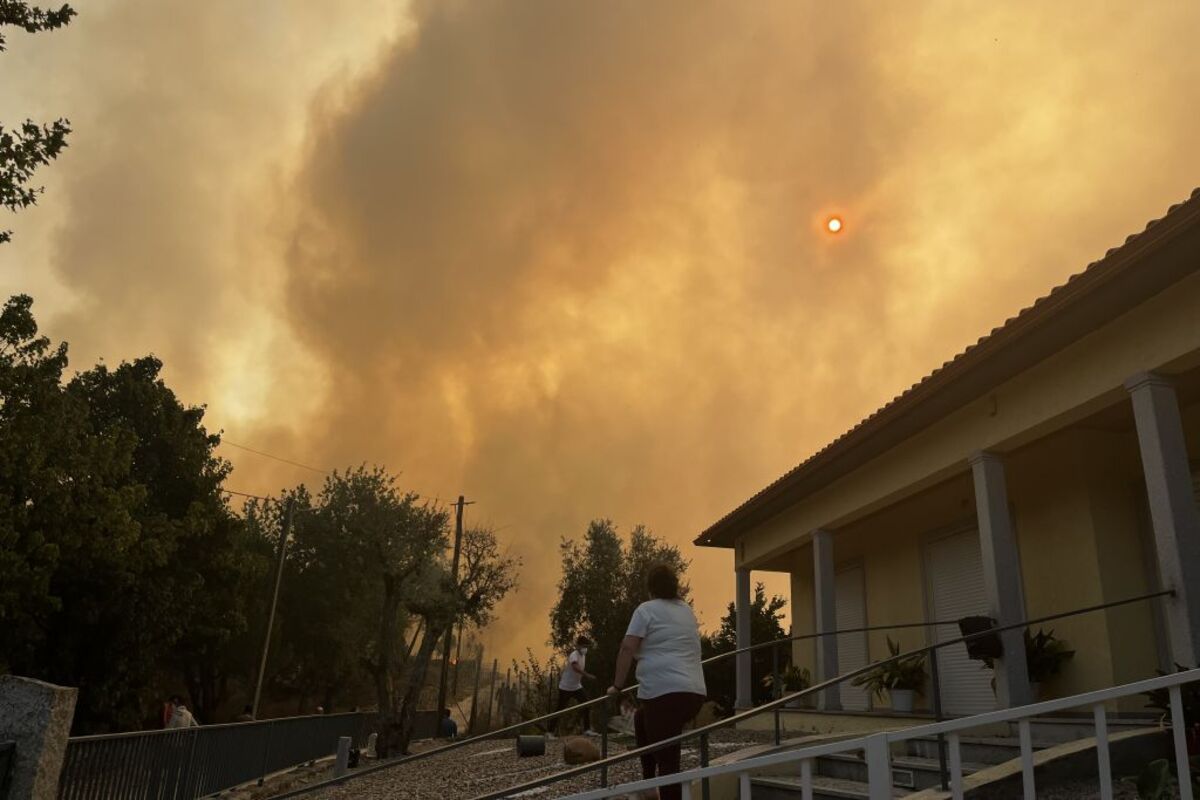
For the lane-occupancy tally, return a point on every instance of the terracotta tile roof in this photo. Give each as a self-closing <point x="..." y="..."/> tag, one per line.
<point x="1183" y="215"/>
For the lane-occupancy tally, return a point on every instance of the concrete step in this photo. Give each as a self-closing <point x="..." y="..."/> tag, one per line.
<point x="976" y="749"/>
<point x="786" y="787"/>
<point x="908" y="772"/>
<point x="1062" y="729"/>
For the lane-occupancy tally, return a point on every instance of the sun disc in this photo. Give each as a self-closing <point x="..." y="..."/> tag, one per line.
<point x="834" y="225"/>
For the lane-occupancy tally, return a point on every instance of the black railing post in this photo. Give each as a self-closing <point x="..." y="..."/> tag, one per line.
<point x="262" y="777"/>
<point x="776" y="692"/>
<point x="775" y="687"/>
<point x="604" y="742"/>
<point x="943" y="772"/>
<point x="704" y="790"/>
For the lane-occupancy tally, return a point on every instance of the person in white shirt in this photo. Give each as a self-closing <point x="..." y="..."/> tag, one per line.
<point x="181" y="717"/>
<point x="570" y="684"/>
<point x="664" y="637"/>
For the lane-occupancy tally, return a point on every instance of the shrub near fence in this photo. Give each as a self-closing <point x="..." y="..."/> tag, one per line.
<point x="193" y="762"/>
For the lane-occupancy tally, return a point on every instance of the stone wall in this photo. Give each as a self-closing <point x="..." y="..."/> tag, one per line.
<point x="37" y="716"/>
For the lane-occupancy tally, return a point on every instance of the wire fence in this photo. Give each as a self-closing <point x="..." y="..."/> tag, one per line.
<point x="187" y="763"/>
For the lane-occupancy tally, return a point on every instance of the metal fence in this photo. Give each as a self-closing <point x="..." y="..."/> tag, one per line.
<point x="188" y="763"/>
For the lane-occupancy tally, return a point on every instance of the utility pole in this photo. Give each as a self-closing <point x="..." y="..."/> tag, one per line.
<point x="285" y="528"/>
<point x="458" y="531"/>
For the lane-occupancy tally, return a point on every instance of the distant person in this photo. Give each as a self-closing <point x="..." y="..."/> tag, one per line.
<point x="447" y="728"/>
<point x="181" y="717"/>
<point x="570" y="684"/>
<point x="247" y="715"/>
<point x="168" y="711"/>
<point x="665" y="638"/>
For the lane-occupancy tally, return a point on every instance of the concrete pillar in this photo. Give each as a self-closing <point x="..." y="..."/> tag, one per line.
<point x="1172" y="509"/>
<point x="37" y="716"/>
<point x="824" y="605"/>
<point x="1001" y="576"/>
<point x="744" y="698"/>
<point x="342" y="761"/>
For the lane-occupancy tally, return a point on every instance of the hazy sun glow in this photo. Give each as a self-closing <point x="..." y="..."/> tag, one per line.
<point x="834" y="225"/>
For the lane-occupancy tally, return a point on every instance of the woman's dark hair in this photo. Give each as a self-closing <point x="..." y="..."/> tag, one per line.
<point x="662" y="582"/>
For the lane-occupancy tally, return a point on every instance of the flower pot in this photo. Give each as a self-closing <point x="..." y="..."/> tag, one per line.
<point x="902" y="700"/>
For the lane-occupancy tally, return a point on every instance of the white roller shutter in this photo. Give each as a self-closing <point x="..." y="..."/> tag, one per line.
<point x="955" y="573"/>
<point x="852" y="647"/>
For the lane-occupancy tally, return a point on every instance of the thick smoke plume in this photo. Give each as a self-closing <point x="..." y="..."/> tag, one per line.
<point x="568" y="258"/>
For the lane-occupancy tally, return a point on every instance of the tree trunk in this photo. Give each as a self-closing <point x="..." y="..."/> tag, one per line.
<point x="387" y="633"/>
<point x="398" y="729"/>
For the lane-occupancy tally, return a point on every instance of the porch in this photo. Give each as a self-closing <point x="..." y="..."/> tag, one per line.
<point x="1099" y="507"/>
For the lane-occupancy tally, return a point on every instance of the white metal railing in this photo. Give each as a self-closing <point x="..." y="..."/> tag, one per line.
<point x="877" y="747"/>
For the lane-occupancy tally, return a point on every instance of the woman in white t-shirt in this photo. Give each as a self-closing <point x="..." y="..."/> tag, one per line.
<point x="664" y="637"/>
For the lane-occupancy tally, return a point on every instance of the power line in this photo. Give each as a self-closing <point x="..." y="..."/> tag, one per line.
<point x="275" y="500"/>
<point x="248" y="495"/>
<point x="274" y="457"/>
<point x="435" y="500"/>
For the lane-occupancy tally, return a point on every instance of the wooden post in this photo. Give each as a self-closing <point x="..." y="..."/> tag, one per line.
<point x="506" y="700"/>
<point x="492" y="691"/>
<point x="475" y="693"/>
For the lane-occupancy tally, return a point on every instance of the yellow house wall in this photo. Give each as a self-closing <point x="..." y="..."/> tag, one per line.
<point x="1124" y="545"/>
<point x="1060" y="567"/>
<point x="1064" y="388"/>
<point x="1076" y="510"/>
<point x="804" y="653"/>
<point x="1077" y="496"/>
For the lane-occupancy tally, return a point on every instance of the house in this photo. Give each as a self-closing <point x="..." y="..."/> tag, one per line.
<point x="1049" y="467"/>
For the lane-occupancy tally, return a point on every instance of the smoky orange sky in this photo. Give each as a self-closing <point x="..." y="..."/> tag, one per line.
<point x="567" y="258"/>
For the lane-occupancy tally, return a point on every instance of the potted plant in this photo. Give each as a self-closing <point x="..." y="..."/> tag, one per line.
<point x="1045" y="655"/>
<point x="901" y="678"/>
<point x="793" y="679"/>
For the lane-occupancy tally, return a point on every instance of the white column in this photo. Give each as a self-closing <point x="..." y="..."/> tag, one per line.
<point x="1172" y="509"/>
<point x="824" y="603"/>
<point x="1001" y="576"/>
<point x="744" y="699"/>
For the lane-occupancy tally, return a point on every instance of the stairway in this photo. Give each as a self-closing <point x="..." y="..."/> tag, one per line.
<point x="843" y="776"/>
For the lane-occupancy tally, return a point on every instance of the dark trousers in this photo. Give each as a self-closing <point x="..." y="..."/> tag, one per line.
<point x="661" y="718"/>
<point x="564" y="698"/>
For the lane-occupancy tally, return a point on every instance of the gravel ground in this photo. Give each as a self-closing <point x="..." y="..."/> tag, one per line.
<point x="490" y="766"/>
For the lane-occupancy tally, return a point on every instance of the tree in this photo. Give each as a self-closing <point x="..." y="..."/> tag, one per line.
<point x="31" y="145"/>
<point x="765" y="626"/>
<point x="199" y="600"/>
<point x="486" y="576"/>
<point x="603" y="581"/>
<point x="326" y="624"/>
<point x="121" y="566"/>
<point x="392" y="537"/>
<point x="56" y="501"/>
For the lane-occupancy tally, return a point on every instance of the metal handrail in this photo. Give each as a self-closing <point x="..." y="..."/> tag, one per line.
<point x="95" y="737"/>
<point x="775" y="705"/>
<point x="594" y="702"/>
<point x="1093" y="698"/>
